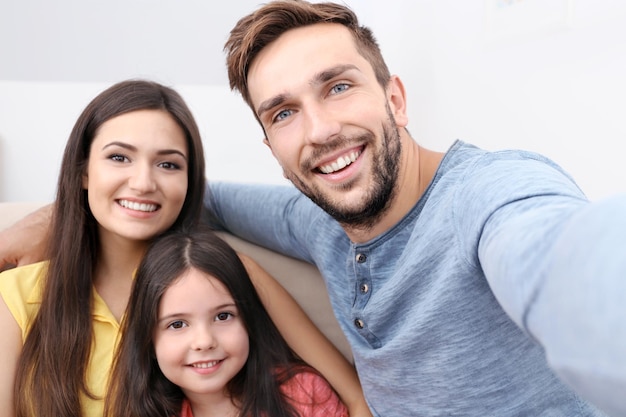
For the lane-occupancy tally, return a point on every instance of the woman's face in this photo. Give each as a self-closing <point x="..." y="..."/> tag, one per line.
<point x="136" y="177"/>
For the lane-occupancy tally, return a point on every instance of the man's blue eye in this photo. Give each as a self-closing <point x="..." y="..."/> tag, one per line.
<point x="283" y="114"/>
<point x="338" y="88"/>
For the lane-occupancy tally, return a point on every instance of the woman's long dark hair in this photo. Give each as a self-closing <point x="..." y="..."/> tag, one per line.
<point x="52" y="368"/>
<point x="139" y="388"/>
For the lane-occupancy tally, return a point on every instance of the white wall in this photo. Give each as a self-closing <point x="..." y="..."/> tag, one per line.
<point x="37" y="117"/>
<point x="544" y="75"/>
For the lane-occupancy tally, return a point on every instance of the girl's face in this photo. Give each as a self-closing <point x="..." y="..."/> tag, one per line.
<point x="136" y="176"/>
<point x="200" y="340"/>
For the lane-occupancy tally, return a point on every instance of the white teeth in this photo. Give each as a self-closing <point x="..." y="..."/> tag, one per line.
<point x="205" y="365"/>
<point x="340" y="163"/>
<point x="138" y="206"/>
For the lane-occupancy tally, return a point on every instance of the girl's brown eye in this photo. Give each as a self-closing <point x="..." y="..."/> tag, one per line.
<point x="178" y="324"/>
<point x="223" y="316"/>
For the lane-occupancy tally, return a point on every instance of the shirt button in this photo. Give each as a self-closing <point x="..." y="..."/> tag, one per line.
<point x="359" y="323"/>
<point x="364" y="288"/>
<point x="360" y="258"/>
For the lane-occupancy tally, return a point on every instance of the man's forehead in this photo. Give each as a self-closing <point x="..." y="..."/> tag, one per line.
<point x="298" y="55"/>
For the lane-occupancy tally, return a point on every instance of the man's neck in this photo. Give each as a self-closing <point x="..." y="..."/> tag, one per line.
<point x="417" y="169"/>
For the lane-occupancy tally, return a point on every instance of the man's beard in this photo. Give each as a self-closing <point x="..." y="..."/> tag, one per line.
<point x="377" y="200"/>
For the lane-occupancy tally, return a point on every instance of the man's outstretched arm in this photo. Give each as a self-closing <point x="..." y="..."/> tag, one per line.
<point x="24" y="242"/>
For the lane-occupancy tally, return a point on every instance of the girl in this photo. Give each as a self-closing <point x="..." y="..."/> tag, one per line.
<point x="133" y="168"/>
<point x="197" y="341"/>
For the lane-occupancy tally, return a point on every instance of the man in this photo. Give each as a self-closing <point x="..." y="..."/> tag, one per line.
<point x="449" y="274"/>
<point x="463" y="281"/>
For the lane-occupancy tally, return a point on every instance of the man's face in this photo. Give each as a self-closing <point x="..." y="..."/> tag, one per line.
<point x="329" y="123"/>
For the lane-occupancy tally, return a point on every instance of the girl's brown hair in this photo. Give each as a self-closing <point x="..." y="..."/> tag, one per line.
<point x="139" y="388"/>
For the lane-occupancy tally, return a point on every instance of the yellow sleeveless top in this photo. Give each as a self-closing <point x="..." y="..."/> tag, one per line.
<point x="21" y="290"/>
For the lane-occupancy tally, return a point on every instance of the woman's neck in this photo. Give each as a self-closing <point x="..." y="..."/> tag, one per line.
<point x="114" y="271"/>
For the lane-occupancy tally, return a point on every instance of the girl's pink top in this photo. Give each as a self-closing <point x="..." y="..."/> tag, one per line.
<point x="311" y="395"/>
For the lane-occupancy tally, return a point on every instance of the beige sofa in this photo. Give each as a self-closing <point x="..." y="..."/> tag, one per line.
<point x="301" y="279"/>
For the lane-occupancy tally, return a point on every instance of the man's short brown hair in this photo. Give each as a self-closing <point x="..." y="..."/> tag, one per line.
<point x="257" y="30"/>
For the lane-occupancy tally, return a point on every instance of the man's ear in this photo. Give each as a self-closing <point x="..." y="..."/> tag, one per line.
<point x="267" y="143"/>
<point x="396" y="97"/>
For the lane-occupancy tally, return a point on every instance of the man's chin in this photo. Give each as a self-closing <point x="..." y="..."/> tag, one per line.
<point x="356" y="216"/>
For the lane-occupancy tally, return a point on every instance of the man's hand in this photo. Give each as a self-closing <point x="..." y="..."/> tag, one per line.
<point x="24" y="242"/>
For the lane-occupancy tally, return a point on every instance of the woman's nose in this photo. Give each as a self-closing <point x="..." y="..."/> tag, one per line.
<point x="142" y="179"/>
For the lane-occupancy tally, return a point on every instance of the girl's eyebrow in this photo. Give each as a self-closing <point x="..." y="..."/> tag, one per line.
<point x="170" y="316"/>
<point x="134" y="148"/>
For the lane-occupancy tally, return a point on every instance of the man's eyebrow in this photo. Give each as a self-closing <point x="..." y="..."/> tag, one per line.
<point x="271" y="103"/>
<point x="331" y="73"/>
<point x="319" y="78"/>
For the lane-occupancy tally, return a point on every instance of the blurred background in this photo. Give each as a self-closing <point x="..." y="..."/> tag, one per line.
<point x="542" y="75"/>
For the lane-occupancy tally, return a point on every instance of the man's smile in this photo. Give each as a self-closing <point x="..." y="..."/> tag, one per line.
<point x="340" y="162"/>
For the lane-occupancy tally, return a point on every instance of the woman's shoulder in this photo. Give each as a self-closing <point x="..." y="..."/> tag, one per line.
<point x="21" y="290"/>
<point x="23" y="277"/>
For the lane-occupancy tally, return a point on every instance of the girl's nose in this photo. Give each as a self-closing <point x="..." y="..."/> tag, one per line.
<point x="203" y="339"/>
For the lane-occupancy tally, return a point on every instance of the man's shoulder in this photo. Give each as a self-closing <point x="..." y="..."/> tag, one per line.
<point x="502" y="171"/>
<point x="463" y="153"/>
